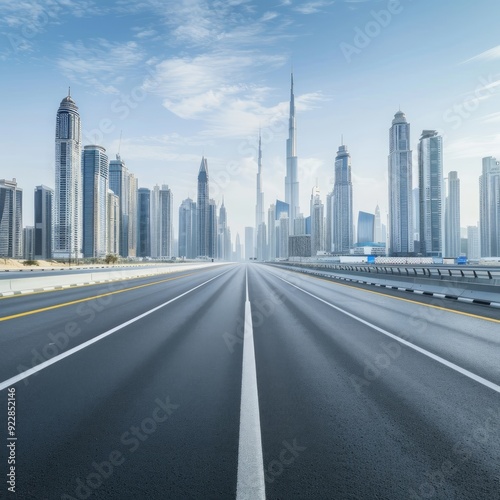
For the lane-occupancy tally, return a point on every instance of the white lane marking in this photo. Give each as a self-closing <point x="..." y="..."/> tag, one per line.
<point x="250" y="483"/>
<point x="439" y="359"/>
<point x="21" y="376"/>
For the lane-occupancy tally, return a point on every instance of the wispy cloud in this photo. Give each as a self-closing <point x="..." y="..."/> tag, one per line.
<point x="472" y="147"/>
<point x="488" y="55"/>
<point x="99" y="63"/>
<point x="312" y="7"/>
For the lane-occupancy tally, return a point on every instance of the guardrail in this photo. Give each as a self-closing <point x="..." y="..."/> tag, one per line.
<point x="435" y="272"/>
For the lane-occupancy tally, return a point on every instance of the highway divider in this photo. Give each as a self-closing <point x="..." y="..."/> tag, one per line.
<point x="42" y="283"/>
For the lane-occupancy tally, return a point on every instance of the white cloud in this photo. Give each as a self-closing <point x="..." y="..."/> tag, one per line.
<point x="99" y="63"/>
<point x="472" y="147"/>
<point x="487" y="55"/>
<point x="311" y="7"/>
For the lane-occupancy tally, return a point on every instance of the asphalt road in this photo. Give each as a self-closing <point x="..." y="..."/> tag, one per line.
<point x="134" y="389"/>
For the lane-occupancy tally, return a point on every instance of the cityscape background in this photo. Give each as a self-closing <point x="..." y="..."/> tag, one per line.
<point x="176" y="83"/>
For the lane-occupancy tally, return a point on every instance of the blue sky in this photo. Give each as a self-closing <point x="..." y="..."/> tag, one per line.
<point x="190" y="78"/>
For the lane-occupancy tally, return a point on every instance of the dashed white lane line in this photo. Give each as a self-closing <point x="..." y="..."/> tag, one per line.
<point x="250" y="482"/>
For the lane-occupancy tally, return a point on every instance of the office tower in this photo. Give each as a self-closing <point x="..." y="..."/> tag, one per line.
<point x="187" y="229"/>
<point x="249" y="243"/>
<point x="44" y="198"/>
<point x="155" y="221"/>
<point x="161" y="222"/>
<point x="342" y="203"/>
<point x="377" y="233"/>
<point x="237" y="249"/>
<point x="271" y="232"/>
<point x="430" y="180"/>
<point x="416" y="214"/>
<point x="366" y="229"/>
<point x="259" y="208"/>
<point x="224" y="241"/>
<point x="143" y="222"/>
<point x="283" y="234"/>
<point x="113" y="224"/>
<point x="452" y="221"/>
<point x="133" y="220"/>
<point x="473" y="243"/>
<point x="262" y="242"/>
<point x="292" y="178"/>
<point x="299" y="225"/>
<point x="212" y="229"/>
<point x="11" y="219"/>
<point x="489" y="208"/>
<point x="400" y="187"/>
<point x="120" y="185"/>
<point x="317" y="223"/>
<point x="329" y="222"/>
<point x="68" y="187"/>
<point x="29" y="242"/>
<point x="95" y="169"/>
<point x="202" y="222"/>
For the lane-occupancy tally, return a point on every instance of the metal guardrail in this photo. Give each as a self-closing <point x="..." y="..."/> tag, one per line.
<point x="438" y="272"/>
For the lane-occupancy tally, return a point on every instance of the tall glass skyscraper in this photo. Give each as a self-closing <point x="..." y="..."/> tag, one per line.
<point x="95" y="200"/>
<point x="144" y="222"/>
<point x="366" y="229"/>
<point x="430" y="180"/>
<point x="203" y="220"/>
<point x="317" y="223"/>
<point x="489" y="208"/>
<point x="11" y="219"/>
<point x="187" y="229"/>
<point x="120" y="185"/>
<point x="44" y="199"/>
<point x="342" y="203"/>
<point x="292" y="176"/>
<point x="68" y="185"/>
<point x="452" y="223"/>
<point x="400" y="187"/>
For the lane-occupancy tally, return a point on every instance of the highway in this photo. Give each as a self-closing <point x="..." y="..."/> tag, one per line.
<point x="249" y="382"/>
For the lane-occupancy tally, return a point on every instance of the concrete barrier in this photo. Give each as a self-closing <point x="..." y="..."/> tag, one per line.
<point x="40" y="282"/>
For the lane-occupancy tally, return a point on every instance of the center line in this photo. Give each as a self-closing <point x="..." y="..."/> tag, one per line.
<point x="250" y="483"/>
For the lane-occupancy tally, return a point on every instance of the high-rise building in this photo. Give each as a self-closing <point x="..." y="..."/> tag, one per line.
<point x="95" y="198"/>
<point x="44" y="198"/>
<point x="249" y="243"/>
<point x="272" y="252"/>
<point x="400" y="187"/>
<point x="120" y="185"/>
<point x="113" y="224"/>
<point x="262" y="242"/>
<point x="292" y="176"/>
<point x="212" y="229"/>
<point x="161" y="222"/>
<point x="155" y="221"/>
<point x="68" y="187"/>
<point x="473" y="243"/>
<point x="430" y="180"/>
<point x="366" y="229"/>
<point x="377" y="234"/>
<point x="11" y="219"/>
<point x="237" y="249"/>
<point x="283" y="234"/>
<point x="224" y="247"/>
<point x="29" y="242"/>
<point x="187" y="229"/>
<point x="317" y="223"/>
<point x="342" y="203"/>
<point x="203" y="219"/>
<point x="299" y="225"/>
<point x="144" y="222"/>
<point x="329" y="223"/>
<point x="489" y="208"/>
<point x="259" y="207"/>
<point x="452" y="221"/>
<point x="133" y="220"/>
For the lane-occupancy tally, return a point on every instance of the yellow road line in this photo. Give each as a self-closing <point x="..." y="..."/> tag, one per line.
<point x="65" y="304"/>
<point x="492" y="320"/>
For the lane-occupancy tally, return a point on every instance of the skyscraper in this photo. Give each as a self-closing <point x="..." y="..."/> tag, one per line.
<point x="292" y="179"/>
<point x="259" y="208"/>
<point x="366" y="229"/>
<point x="452" y="222"/>
<point x="249" y="243"/>
<point x="317" y="223"/>
<point x="95" y="198"/>
<point x="133" y="220"/>
<point x="224" y="248"/>
<point x="378" y="238"/>
<point x="430" y="179"/>
<point x="271" y="232"/>
<point x="11" y="219"/>
<point x="144" y="222"/>
<point x="29" y="242"/>
<point x="166" y="221"/>
<point x="202" y="203"/>
<point x="68" y="185"/>
<point x="489" y="208"/>
<point x="155" y="221"/>
<point x="400" y="187"/>
<point x="120" y="185"/>
<point x="187" y="229"/>
<point x="44" y="197"/>
<point x="473" y="246"/>
<point x="342" y="203"/>
<point x="113" y="224"/>
<point x="329" y="222"/>
<point x="212" y="229"/>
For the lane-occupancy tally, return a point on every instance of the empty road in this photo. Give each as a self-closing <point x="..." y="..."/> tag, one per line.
<point x="247" y="381"/>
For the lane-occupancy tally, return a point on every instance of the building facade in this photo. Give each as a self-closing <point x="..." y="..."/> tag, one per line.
<point x="489" y="208"/>
<point x="43" y="209"/>
<point x="452" y="216"/>
<point x="11" y="219"/>
<point x="292" y="176"/>
<point x="187" y="229"/>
